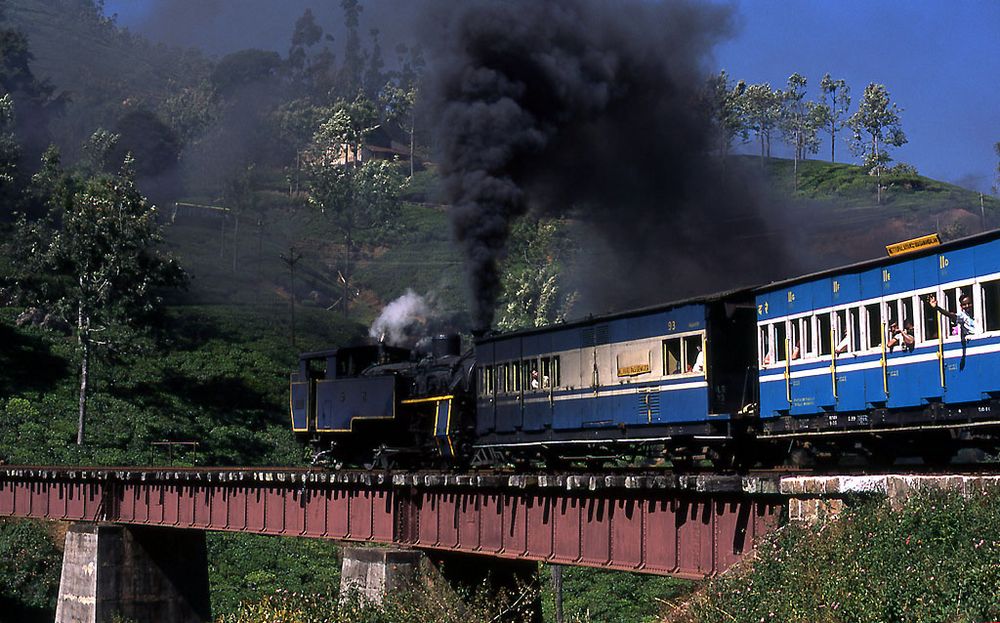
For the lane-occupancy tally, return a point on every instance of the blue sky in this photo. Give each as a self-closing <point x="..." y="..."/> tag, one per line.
<point x="939" y="59"/>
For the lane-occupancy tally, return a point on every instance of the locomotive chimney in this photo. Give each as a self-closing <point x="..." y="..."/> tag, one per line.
<point x="446" y="344"/>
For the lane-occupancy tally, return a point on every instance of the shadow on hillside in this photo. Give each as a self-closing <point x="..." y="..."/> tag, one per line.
<point x="27" y="363"/>
<point x="223" y="396"/>
<point x="24" y="614"/>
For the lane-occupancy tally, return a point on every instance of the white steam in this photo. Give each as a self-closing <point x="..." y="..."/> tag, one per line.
<point x="403" y="321"/>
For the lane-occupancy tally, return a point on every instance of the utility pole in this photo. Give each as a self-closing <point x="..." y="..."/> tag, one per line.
<point x="982" y="211"/>
<point x="291" y="260"/>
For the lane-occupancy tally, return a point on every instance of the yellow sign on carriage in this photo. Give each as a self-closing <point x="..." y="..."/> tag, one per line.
<point x="914" y="244"/>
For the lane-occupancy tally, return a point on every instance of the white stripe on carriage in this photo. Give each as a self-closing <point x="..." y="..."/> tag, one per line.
<point x="601" y="393"/>
<point x="892" y="363"/>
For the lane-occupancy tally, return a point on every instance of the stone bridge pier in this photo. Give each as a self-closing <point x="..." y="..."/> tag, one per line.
<point x="147" y="574"/>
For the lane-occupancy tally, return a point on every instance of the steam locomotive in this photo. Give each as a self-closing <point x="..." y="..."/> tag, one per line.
<point x="891" y="358"/>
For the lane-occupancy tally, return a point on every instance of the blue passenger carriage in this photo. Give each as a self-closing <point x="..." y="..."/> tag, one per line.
<point x="671" y="377"/>
<point x="862" y="347"/>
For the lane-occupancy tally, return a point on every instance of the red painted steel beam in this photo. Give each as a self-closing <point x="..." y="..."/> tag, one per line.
<point x="657" y="526"/>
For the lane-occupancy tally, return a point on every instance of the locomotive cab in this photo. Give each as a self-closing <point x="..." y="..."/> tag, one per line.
<point x="328" y="393"/>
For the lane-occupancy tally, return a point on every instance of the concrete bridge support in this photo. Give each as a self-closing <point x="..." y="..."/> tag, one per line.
<point x="372" y="573"/>
<point x="154" y="575"/>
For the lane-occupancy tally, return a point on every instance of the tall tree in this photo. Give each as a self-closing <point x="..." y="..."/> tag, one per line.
<point x="876" y="126"/>
<point x="360" y="197"/>
<point x="36" y="102"/>
<point x="10" y="154"/>
<point x="306" y="34"/>
<point x="240" y="198"/>
<point x="799" y="122"/>
<point x="352" y="71"/>
<point x="105" y="258"/>
<point x="723" y="103"/>
<point x="375" y="77"/>
<point x="832" y="109"/>
<point x="761" y="106"/>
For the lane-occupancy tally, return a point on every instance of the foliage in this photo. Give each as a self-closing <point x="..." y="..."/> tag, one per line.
<point x="103" y="252"/>
<point x="214" y="375"/>
<point x="612" y="596"/>
<point x="936" y="559"/>
<point x="360" y="197"/>
<point x="723" y="99"/>
<point x="422" y="604"/>
<point x="761" y="109"/>
<point x="241" y="565"/>
<point x="532" y="294"/>
<point x="799" y="120"/>
<point x="29" y="571"/>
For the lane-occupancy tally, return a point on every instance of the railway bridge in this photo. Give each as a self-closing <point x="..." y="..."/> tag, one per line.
<point x="136" y="545"/>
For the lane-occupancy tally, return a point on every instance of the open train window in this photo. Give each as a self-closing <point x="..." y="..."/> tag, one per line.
<point x="780" y="341"/>
<point x="694" y="358"/>
<point x="795" y="338"/>
<point x="531" y="376"/>
<point x="802" y="338"/>
<point x="683" y="355"/>
<point x="765" y="345"/>
<point x="550" y="372"/>
<point x="953" y="303"/>
<point x="874" y="324"/>
<point x="990" y="291"/>
<point x="931" y="321"/>
<point x="825" y="335"/>
<point x="672" y="363"/>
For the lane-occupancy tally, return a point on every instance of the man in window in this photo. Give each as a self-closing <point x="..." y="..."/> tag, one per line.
<point x="963" y="318"/>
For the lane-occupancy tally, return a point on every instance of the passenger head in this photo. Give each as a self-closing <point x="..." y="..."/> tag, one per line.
<point x="966" y="303"/>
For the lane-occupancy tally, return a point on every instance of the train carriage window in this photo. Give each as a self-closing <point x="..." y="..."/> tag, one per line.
<point x="555" y="372"/>
<point x="990" y="292"/>
<point x="825" y="336"/>
<point x="891" y="313"/>
<point x="843" y="331"/>
<point x="672" y="356"/>
<point x="795" y="339"/>
<point x="694" y="358"/>
<point x="532" y="379"/>
<point x="516" y="373"/>
<point x="804" y="338"/>
<point x="906" y="312"/>
<point x="931" y="320"/>
<point x="874" y="324"/>
<point x="780" y="341"/>
<point x="953" y="302"/>
<point x="765" y="345"/>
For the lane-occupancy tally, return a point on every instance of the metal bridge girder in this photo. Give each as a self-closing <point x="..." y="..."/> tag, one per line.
<point x="681" y="533"/>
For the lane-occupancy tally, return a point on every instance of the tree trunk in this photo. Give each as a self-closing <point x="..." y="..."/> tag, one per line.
<point x="557" y="590"/>
<point x="413" y="124"/>
<point x="236" y="239"/>
<point x="878" y="171"/>
<point x="833" y="144"/>
<point x="83" y="329"/>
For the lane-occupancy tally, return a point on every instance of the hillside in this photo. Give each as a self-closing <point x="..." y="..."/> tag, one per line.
<point x="832" y="219"/>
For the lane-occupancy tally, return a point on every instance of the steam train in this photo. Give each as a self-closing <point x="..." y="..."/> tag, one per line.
<point x="886" y="359"/>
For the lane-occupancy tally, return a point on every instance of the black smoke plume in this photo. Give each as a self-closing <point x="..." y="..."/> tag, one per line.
<point x="592" y="109"/>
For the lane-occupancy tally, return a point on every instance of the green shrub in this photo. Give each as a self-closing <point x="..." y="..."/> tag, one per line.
<point x="936" y="560"/>
<point x="30" y="566"/>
